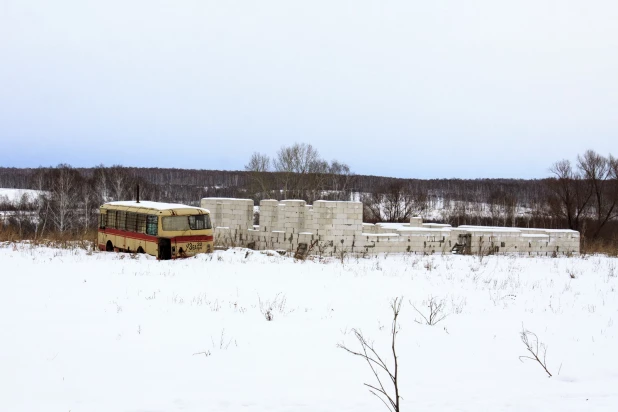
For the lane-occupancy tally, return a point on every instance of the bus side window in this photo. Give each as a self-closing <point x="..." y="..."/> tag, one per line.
<point x="132" y="221"/>
<point x="121" y="219"/>
<point x="141" y="223"/>
<point x="151" y="225"/>
<point x="199" y="222"/>
<point x="102" y="220"/>
<point x="111" y="219"/>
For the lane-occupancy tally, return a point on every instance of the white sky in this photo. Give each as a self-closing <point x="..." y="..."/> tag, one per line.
<point x="431" y="89"/>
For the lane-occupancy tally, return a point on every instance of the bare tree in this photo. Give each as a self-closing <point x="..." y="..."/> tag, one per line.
<point x="258" y="166"/>
<point x="258" y="163"/>
<point x="393" y="202"/>
<point x="101" y="183"/>
<point x="390" y="397"/>
<point x="294" y="164"/>
<point x="40" y="181"/>
<point x="571" y="196"/>
<point x="598" y="171"/>
<point x="341" y="180"/>
<point x="63" y="197"/>
<point x="121" y="182"/>
<point x="89" y="203"/>
<point x="502" y="207"/>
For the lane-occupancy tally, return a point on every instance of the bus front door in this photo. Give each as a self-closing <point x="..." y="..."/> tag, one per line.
<point x="165" y="249"/>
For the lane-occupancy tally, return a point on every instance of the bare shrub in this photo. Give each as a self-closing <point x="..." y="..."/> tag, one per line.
<point x="458" y="305"/>
<point x="611" y="269"/>
<point x="269" y="307"/>
<point x="483" y="250"/>
<point x="536" y="349"/>
<point x="572" y="273"/>
<point x="435" y="311"/>
<point x="223" y="343"/>
<point x="342" y="253"/>
<point x="391" y="397"/>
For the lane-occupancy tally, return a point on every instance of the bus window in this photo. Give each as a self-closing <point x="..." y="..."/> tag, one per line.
<point x="132" y="221"/>
<point x="151" y="225"/>
<point x="199" y="222"/>
<point x="121" y="219"/>
<point x="111" y="219"/>
<point x="141" y="223"/>
<point x="178" y="223"/>
<point x="102" y="220"/>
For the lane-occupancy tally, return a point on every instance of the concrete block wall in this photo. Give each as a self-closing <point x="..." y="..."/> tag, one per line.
<point x="337" y="220"/>
<point x="236" y="214"/>
<point x="269" y="215"/>
<point x="292" y="216"/>
<point x="522" y="241"/>
<point x="334" y="226"/>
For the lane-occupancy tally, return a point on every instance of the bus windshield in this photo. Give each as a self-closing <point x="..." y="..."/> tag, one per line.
<point x="182" y="223"/>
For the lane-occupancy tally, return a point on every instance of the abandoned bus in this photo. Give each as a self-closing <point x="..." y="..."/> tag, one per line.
<point x="164" y="230"/>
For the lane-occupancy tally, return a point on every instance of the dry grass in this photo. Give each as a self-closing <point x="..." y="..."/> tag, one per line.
<point x="604" y="247"/>
<point x="67" y="240"/>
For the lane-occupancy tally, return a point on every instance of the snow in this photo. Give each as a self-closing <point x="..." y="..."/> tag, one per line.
<point x="155" y="205"/>
<point x="15" y="195"/>
<point x="574" y="232"/>
<point x="97" y="331"/>
<point x="425" y="229"/>
<point x="489" y="229"/>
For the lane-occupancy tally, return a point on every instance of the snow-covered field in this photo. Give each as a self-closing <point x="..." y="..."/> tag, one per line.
<point x="105" y="332"/>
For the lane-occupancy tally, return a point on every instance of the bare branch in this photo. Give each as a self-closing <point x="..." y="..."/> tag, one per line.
<point x="436" y="311"/>
<point x="536" y="349"/>
<point x="376" y="364"/>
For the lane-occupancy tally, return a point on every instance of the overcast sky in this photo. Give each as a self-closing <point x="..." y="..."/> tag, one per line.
<point x="425" y="89"/>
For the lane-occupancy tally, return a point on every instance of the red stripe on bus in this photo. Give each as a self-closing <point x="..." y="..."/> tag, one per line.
<point x="150" y="238"/>
<point x="200" y="238"/>
<point x="131" y="235"/>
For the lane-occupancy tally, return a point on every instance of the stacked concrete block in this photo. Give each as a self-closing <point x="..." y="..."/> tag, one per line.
<point x="369" y="228"/>
<point x="338" y="216"/>
<point x="309" y="224"/>
<point x="486" y="240"/>
<point x="416" y="221"/>
<point x="269" y="215"/>
<point x="558" y="242"/>
<point x="435" y="225"/>
<point x="526" y="241"/>
<point x="232" y="213"/>
<point x="335" y="227"/>
<point x="275" y="240"/>
<point x="231" y="218"/>
<point x="338" y="225"/>
<point x="419" y="239"/>
<point x="293" y="215"/>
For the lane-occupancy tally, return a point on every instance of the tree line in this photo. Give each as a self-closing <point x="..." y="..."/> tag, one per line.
<point x="581" y="194"/>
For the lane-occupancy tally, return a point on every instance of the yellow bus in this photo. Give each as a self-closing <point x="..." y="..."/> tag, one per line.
<point x="164" y="230"/>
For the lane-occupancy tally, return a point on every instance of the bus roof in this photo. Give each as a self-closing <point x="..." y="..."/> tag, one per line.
<point x="159" y="206"/>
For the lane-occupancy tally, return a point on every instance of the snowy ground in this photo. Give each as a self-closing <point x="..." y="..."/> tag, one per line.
<point x="106" y="332"/>
<point x="15" y="195"/>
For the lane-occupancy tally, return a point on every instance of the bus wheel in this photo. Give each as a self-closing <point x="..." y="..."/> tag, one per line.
<point x="109" y="247"/>
<point x="140" y="250"/>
